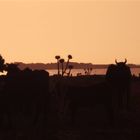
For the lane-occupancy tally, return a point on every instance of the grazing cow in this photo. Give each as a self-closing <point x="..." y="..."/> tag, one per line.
<point x="119" y="77"/>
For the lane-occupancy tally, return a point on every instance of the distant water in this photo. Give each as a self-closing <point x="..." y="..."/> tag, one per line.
<point x="74" y="72"/>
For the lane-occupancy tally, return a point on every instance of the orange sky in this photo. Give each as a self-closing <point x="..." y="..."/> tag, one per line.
<point x="92" y="31"/>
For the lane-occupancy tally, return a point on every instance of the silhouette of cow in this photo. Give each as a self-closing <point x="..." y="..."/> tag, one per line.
<point x="119" y="77"/>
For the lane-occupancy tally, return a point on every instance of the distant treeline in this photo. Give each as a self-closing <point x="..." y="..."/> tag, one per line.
<point x="75" y="64"/>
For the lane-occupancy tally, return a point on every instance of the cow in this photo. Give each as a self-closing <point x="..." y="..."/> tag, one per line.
<point x="119" y="77"/>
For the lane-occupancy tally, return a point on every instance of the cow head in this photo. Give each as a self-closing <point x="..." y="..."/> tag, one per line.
<point x="121" y="63"/>
<point x="118" y="74"/>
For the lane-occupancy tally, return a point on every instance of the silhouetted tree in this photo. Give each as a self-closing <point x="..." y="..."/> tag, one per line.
<point x="62" y="64"/>
<point x="12" y="68"/>
<point x="57" y="57"/>
<point x="67" y="64"/>
<point x="2" y="64"/>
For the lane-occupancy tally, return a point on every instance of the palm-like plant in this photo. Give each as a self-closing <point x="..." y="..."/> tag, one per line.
<point x="69" y="57"/>
<point x="70" y="68"/>
<point x="2" y="64"/>
<point x="57" y="57"/>
<point x="62" y="65"/>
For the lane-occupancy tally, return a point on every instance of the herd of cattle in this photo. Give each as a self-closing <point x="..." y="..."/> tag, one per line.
<point x="27" y="95"/>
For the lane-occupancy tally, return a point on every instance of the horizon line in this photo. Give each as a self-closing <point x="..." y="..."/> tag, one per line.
<point x="71" y="62"/>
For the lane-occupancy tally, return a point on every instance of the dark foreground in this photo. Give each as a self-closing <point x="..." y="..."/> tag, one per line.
<point x="90" y="123"/>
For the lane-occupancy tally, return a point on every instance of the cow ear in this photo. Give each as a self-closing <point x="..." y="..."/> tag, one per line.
<point x="125" y="61"/>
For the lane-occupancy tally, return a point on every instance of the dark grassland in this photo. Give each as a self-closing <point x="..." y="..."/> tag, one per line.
<point x="35" y="110"/>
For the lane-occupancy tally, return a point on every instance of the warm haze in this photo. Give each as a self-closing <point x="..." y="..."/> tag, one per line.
<point x="91" y="31"/>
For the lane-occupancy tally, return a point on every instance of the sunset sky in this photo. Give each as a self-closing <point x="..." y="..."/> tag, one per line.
<point x="96" y="31"/>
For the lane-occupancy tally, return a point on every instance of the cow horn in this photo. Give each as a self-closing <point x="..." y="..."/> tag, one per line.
<point x="116" y="61"/>
<point x="125" y="61"/>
